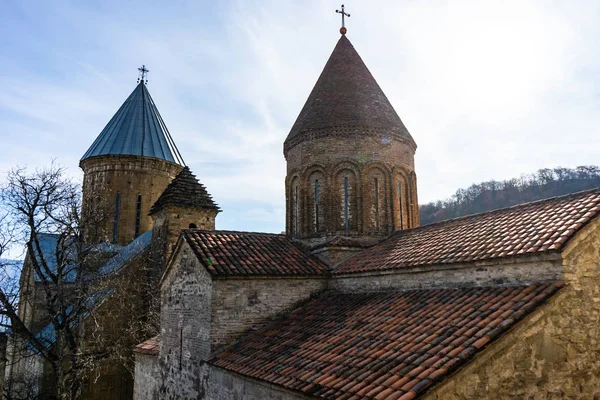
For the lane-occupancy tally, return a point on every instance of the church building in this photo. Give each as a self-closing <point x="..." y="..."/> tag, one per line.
<point x="356" y="300"/>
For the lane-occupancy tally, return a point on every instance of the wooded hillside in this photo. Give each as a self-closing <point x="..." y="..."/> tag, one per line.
<point x="547" y="182"/>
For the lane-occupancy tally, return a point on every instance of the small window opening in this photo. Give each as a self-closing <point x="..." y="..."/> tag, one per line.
<point x="116" y="221"/>
<point x="346" y="205"/>
<point x="316" y="205"/>
<point x="296" y="211"/>
<point x="400" y="203"/>
<point x="377" y="204"/>
<point x="193" y="226"/>
<point x="138" y="214"/>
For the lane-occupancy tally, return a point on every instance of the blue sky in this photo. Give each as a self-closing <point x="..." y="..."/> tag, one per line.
<point x="488" y="89"/>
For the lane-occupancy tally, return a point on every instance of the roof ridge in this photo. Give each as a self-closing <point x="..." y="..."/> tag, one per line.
<point x="235" y="232"/>
<point x="497" y="210"/>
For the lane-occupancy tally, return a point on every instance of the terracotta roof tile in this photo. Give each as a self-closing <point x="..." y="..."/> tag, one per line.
<point x="150" y="346"/>
<point x="375" y="345"/>
<point x="228" y="253"/>
<point x="535" y="227"/>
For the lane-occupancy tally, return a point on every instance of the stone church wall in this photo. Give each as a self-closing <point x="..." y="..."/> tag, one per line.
<point x="147" y="377"/>
<point x="225" y="385"/>
<point x="553" y="354"/>
<point x="241" y="304"/>
<point x="500" y="272"/>
<point x="186" y="301"/>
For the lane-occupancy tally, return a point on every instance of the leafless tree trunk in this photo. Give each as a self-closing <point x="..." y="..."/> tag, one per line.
<point x="75" y="339"/>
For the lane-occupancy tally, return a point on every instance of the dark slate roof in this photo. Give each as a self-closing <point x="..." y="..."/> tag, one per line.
<point x="136" y="129"/>
<point x="390" y="345"/>
<point x="185" y="190"/>
<point x="150" y="346"/>
<point x="126" y="254"/>
<point x="226" y="253"/>
<point x="346" y="95"/>
<point x="537" y="227"/>
<point x="50" y="246"/>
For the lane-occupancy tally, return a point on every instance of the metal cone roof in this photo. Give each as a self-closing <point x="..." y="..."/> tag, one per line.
<point x="136" y="129"/>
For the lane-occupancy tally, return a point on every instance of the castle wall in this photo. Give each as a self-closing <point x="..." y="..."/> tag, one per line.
<point x="186" y="302"/>
<point x="492" y="272"/>
<point x="147" y="377"/>
<point x="241" y="304"/>
<point x="553" y="354"/>
<point x="373" y="167"/>
<point x="225" y="385"/>
<point x="129" y="177"/>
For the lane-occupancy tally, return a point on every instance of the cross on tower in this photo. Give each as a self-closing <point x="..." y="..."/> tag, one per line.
<point x="343" y="29"/>
<point x="143" y="74"/>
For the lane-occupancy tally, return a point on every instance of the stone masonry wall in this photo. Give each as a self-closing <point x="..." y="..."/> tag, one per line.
<point x="147" y="377"/>
<point x="225" y="385"/>
<point x="554" y="353"/>
<point x="129" y="176"/>
<point x="169" y="222"/>
<point x="240" y="304"/>
<point x="186" y="296"/>
<point x="508" y="271"/>
<point x="381" y="185"/>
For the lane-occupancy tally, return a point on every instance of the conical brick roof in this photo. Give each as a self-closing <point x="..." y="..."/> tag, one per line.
<point x="136" y="129"/>
<point x="185" y="191"/>
<point x="345" y="96"/>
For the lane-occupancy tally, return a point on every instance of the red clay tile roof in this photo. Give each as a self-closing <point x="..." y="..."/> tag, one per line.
<point x="150" y="346"/>
<point x="523" y="229"/>
<point x="226" y="253"/>
<point x="392" y="345"/>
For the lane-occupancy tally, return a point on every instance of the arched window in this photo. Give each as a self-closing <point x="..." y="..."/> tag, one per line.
<point x="346" y="205"/>
<point x="296" y="209"/>
<point x="116" y="221"/>
<point x="193" y="226"/>
<point x="400" y="207"/>
<point x="138" y="215"/>
<point x="377" y="204"/>
<point x="316" y="205"/>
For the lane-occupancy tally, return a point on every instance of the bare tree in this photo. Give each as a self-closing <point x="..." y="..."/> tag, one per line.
<point x="82" y="297"/>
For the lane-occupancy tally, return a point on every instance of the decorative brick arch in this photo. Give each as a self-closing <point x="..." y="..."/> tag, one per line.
<point x="293" y="204"/>
<point x="316" y="182"/>
<point x="400" y="198"/>
<point x="415" y="201"/>
<point x="376" y="212"/>
<point x="346" y="199"/>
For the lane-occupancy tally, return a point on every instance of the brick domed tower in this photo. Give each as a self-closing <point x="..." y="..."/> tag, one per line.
<point x="350" y="159"/>
<point x="126" y="169"/>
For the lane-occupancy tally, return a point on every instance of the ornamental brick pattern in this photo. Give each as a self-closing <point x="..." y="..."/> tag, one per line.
<point x="392" y="346"/>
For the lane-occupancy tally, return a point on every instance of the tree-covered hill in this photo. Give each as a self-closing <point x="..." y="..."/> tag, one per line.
<point x="547" y="182"/>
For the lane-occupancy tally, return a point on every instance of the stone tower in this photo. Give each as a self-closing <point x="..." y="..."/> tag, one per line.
<point x="126" y="169"/>
<point x="185" y="204"/>
<point x="350" y="159"/>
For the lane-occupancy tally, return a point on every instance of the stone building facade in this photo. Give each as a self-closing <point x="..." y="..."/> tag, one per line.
<point x="358" y="301"/>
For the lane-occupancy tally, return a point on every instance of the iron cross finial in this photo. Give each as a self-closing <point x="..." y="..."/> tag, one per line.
<point x="343" y="29"/>
<point x="143" y="74"/>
